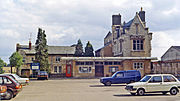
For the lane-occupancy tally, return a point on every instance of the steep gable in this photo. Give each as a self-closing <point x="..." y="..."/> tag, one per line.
<point x="173" y="53"/>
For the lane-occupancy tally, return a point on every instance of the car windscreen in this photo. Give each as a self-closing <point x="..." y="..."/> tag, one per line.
<point x="145" y="79"/>
<point x="16" y="76"/>
<point x="43" y="73"/>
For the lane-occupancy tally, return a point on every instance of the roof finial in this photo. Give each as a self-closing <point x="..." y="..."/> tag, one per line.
<point x="141" y="8"/>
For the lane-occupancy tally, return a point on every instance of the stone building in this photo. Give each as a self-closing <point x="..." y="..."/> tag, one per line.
<point x="90" y="67"/>
<point x="54" y="55"/>
<point x="170" y="62"/>
<point x="131" y="39"/>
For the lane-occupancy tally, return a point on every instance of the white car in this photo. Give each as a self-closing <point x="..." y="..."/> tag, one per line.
<point x="19" y="79"/>
<point x="155" y="83"/>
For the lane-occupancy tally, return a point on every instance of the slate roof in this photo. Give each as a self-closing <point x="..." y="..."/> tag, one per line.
<point x="51" y="49"/>
<point x="177" y="47"/>
<point x="128" y="24"/>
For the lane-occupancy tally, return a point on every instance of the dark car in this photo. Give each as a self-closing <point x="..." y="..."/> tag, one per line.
<point x="42" y="75"/>
<point x="128" y="76"/>
<point x="13" y="87"/>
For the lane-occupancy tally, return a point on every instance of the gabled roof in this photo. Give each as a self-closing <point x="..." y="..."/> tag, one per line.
<point x="109" y="34"/>
<point x="51" y="49"/>
<point x="175" y="47"/>
<point x="104" y="46"/>
<point x="128" y="24"/>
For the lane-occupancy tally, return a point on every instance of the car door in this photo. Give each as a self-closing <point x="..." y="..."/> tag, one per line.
<point x="168" y="82"/>
<point x="118" y="78"/>
<point x="8" y="82"/>
<point x="154" y="84"/>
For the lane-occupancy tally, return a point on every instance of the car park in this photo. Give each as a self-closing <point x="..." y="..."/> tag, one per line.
<point x="155" y="83"/>
<point x="19" y="79"/>
<point x="13" y="86"/>
<point x="42" y="75"/>
<point x="128" y="76"/>
<point x="3" y="91"/>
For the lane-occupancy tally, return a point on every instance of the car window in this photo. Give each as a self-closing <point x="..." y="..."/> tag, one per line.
<point x="169" y="79"/>
<point x="156" y="79"/>
<point x="119" y="75"/>
<point x="130" y="73"/>
<point x="1" y="80"/>
<point x="7" y="81"/>
<point x="145" y="79"/>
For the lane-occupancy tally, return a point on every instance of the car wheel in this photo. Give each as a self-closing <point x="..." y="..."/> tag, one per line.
<point x="9" y="95"/>
<point x="140" y="92"/>
<point x="108" y="83"/>
<point x="173" y="91"/>
<point x="164" y="93"/>
<point x="133" y="93"/>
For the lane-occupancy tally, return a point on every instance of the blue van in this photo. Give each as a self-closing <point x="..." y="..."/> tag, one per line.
<point x="128" y="76"/>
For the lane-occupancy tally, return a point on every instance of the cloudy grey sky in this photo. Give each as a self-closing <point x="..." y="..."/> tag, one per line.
<point x="65" y="21"/>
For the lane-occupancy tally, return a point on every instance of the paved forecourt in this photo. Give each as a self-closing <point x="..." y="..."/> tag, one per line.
<point x="82" y="90"/>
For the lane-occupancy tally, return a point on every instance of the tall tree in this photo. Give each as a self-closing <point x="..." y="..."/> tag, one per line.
<point x="2" y="64"/>
<point x="42" y="51"/>
<point x="79" y="49"/>
<point x="89" y="50"/>
<point x="16" y="61"/>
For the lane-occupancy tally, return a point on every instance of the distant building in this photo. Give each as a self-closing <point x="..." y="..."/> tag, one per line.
<point x="173" y="53"/>
<point x="170" y="62"/>
<point x="54" y="54"/>
<point x="9" y="69"/>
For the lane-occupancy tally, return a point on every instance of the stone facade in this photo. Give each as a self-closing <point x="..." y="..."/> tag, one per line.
<point x="131" y="39"/>
<point x="90" y="67"/>
<point x="54" y="55"/>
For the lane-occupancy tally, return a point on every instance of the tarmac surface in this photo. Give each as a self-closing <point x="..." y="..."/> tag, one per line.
<point x="82" y="90"/>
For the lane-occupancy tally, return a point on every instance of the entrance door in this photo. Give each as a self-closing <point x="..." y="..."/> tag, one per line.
<point x="68" y="71"/>
<point x="99" y="70"/>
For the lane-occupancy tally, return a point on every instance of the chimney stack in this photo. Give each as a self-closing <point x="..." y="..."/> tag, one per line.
<point x="116" y="19"/>
<point x="30" y="45"/>
<point x="142" y="15"/>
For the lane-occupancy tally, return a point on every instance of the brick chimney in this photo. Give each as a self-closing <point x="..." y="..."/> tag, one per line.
<point x="30" y="45"/>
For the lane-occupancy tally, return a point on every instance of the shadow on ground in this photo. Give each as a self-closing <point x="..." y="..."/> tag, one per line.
<point x="106" y="86"/>
<point x="129" y="95"/>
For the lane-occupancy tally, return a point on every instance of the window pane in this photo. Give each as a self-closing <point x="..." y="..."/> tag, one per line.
<point x="60" y="69"/>
<point x="55" y="69"/>
<point x="169" y="79"/>
<point x="1" y="80"/>
<point x="156" y="79"/>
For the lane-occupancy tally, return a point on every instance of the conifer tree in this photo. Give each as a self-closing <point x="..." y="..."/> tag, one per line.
<point x="89" y="50"/>
<point x="79" y="49"/>
<point x="42" y="51"/>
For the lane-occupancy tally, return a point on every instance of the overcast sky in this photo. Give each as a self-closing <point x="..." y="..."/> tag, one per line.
<point x="66" y="21"/>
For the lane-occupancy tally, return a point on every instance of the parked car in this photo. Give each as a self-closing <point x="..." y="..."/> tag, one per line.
<point x="19" y="79"/>
<point x="13" y="86"/>
<point x="128" y="76"/>
<point x="42" y="75"/>
<point x="163" y="83"/>
<point x="3" y="91"/>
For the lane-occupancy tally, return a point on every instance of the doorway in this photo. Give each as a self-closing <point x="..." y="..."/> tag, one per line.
<point x="99" y="70"/>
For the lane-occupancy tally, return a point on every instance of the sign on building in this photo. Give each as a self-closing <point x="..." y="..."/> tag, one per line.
<point x="35" y="66"/>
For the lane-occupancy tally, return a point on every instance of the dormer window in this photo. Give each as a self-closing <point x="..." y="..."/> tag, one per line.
<point x="138" y="45"/>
